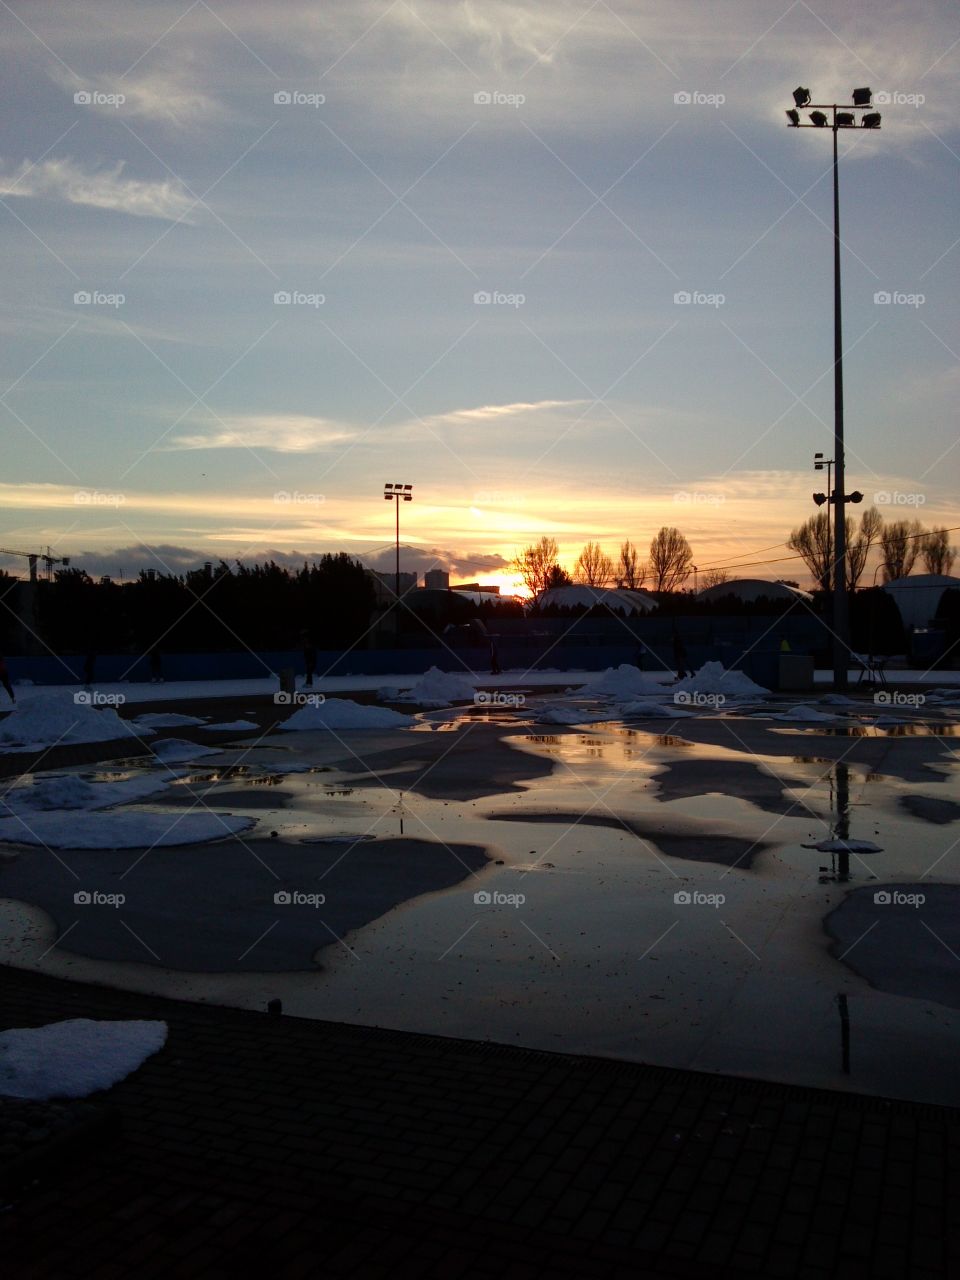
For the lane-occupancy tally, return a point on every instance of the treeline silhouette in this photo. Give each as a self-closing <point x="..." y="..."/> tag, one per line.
<point x="258" y="607"/>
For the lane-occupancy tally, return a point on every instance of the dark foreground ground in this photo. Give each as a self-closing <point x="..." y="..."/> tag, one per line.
<point x="255" y="1145"/>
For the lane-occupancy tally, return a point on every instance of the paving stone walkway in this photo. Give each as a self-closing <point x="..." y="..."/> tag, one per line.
<point x="269" y="1146"/>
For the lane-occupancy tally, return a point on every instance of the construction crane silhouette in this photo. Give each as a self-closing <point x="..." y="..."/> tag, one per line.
<point x="48" y="558"/>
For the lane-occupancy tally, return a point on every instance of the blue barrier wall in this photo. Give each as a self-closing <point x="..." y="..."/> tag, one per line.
<point x="589" y="644"/>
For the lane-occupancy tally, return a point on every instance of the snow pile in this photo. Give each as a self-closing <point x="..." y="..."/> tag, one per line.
<point x="654" y="710"/>
<point x="713" y="677"/>
<point x="70" y="791"/>
<point x="118" y="830"/>
<point x="807" y="714"/>
<point x="233" y="724"/>
<point x="55" y="719"/>
<point x="629" y="682"/>
<point x="165" y="720"/>
<point x="438" y="689"/>
<point x="837" y="700"/>
<point x="74" y="1058"/>
<point x="169" y="750"/>
<point x="573" y="715"/>
<point x="341" y="713"/>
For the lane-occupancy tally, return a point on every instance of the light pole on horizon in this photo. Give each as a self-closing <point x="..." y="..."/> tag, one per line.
<point x="398" y="493"/>
<point x="819" y="462"/>
<point x="843" y="117"/>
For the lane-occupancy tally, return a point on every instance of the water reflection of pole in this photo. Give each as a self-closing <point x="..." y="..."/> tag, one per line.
<point x="841" y="830"/>
<point x="844" y="1033"/>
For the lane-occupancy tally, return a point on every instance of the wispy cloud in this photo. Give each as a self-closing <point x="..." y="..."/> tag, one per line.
<point x="64" y="179"/>
<point x="285" y="433"/>
<point x="302" y="433"/>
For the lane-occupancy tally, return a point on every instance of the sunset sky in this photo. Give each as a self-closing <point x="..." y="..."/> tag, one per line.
<point x="183" y="164"/>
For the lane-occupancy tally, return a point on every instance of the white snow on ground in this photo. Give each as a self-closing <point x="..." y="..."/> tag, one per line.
<point x="837" y="700"/>
<point x="654" y="710"/>
<point x="169" y="750"/>
<point x="74" y="1058"/>
<point x="713" y="677"/>
<point x="340" y="713"/>
<point x="574" y="715"/>
<point x="165" y="720"/>
<point x="119" y="830"/>
<point x="70" y="791"/>
<point x="52" y="717"/>
<point x="629" y="682"/>
<point x="233" y="724"/>
<point x="435" y="689"/>
<point x="804" y="713"/>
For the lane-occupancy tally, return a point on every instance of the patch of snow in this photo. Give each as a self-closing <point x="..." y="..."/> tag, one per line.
<point x="341" y="713"/>
<point x="55" y="719"/>
<point x="573" y="715"/>
<point x="654" y="710"/>
<point x="74" y="1058"/>
<point x="804" y="713"/>
<point x="233" y="724"/>
<point x="629" y="682"/>
<point x="713" y="677"/>
<point x="119" y="830"/>
<point x="165" y="720"/>
<point x="438" y="689"/>
<point x="837" y="700"/>
<point x="169" y="750"/>
<point x="70" y="791"/>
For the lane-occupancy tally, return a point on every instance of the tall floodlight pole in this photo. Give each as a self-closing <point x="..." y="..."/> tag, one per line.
<point x="842" y="117"/>
<point x="819" y="462"/>
<point x="398" y="493"/>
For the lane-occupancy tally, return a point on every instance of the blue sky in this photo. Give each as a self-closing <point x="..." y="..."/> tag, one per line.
<point x="186" y="410"/>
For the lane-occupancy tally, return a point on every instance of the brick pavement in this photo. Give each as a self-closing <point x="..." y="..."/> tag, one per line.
<point x="262" y="1145"/>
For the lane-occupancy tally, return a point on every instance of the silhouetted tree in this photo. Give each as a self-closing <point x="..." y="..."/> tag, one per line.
<point x="811" y="541"/>
<point x="938" y="555"/>
<point x="900" y="543"/>
<point x="594" y="566"/>
<point x="534" y="563"/>
<point x="859" y="543"/>
<point x="670" y="559"/>
<point x="630" y="572"/>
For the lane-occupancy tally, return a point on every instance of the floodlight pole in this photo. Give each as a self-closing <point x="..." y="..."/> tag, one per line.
<point x="397" y="493"/>
<point x="841" y="609"/>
